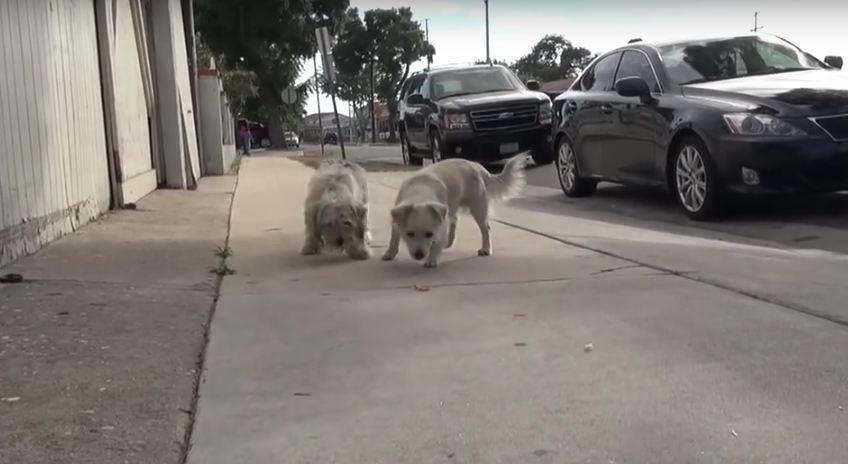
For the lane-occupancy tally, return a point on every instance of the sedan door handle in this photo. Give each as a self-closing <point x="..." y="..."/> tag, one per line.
<point x="606" y="109"/>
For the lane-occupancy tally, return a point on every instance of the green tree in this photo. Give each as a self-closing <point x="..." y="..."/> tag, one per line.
<point x="269" y="38"/>
<point x="552" y="58"/>
<point x="389" y="38"/>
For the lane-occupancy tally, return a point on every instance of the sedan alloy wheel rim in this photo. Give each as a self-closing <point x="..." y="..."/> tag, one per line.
<point x="691" y="176"/>
<point x="437" y="150"/>
<point x="404" y="149"/>
<point x="567" y="167"/>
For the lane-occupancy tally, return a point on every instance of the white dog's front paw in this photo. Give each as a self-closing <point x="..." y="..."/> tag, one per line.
<point x="484" y="252"/>
<point x="388" y="256"/>
<point x="368" y="237"/>
<point x="431" y="263"/>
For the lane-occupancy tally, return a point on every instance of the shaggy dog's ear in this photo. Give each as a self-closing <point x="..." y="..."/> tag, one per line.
<point x="400" y="212"/>
<point x="438" y="210"/>
<point x="361" y="211"/>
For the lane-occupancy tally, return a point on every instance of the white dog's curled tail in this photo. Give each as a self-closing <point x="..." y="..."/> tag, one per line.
<point x="510" y="181"/>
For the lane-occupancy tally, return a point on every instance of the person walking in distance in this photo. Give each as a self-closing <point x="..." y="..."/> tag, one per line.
<point x="244" y="138"/>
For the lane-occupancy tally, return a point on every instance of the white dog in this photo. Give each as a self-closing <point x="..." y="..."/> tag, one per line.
<point x="424" y="215"/>
<point x="336" y="211"/>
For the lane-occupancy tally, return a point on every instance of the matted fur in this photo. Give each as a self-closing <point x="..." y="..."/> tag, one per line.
<point x="336" y="210"/>
<point x="425" y="211"/>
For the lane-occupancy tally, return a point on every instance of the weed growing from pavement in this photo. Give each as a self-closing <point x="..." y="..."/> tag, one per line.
<point x="222" y="268"/>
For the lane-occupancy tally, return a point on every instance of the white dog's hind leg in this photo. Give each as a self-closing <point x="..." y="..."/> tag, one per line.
<point x="394" y="244"/>
<point x="481" y="216"/>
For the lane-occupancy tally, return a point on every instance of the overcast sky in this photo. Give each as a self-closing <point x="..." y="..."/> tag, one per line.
<point x="457" y="27"/>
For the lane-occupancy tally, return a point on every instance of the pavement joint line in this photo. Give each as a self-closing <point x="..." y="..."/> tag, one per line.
<point x="194" y="287"/>
<point x="691" y="277"/>
<point x="185" y="446"/>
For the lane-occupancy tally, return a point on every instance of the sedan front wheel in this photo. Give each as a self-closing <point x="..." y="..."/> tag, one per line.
<point x="568" y="173"/>
<point x="696" y="186"/>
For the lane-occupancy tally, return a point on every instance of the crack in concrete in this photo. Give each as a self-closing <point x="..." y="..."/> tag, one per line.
<point x="690" y="276"/>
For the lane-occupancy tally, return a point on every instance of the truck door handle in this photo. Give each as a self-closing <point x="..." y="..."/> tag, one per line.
<point x="606" y="109"/>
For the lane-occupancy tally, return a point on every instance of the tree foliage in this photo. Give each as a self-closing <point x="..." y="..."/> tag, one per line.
<point x="552" y="58"/>
<point x="269" y="38"/>
<point x="388" y="37"/>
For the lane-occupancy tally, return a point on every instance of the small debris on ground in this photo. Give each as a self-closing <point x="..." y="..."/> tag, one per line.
<point x="588" y="348"/>
<point x="519" y="315"/>
<point x="841" y="408"/>
<point x="87" y="411"/>
<point x="11" y="278"/>
<point x="302" y="394"/>
<point x="520" y="344"/>
<point x="11" y="399"/>
<point x="422" y="288"/>
<point x="131" y="206"/>
<point x="733" y="432"/>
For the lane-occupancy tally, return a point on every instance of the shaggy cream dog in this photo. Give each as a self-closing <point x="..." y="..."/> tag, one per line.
<point x="424" y="215"/>
<point x="336" y="211"/>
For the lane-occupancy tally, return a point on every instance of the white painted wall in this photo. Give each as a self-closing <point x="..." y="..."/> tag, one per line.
<point x="129" y="108"/>
<point x="219" y="149"/>
<point x="176" y="112"/>
<point x="53" y="166"/>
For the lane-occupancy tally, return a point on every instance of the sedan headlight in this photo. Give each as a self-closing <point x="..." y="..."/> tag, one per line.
<point x="456" y="121"/>
<point x="760" y="124"/>
<point x="546" y="113"/>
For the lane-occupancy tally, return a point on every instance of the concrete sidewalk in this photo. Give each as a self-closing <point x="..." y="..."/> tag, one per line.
<point x="318" y="360"/>
<point x="99" y="346"/>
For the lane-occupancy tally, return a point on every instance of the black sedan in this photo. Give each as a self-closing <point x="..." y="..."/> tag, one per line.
<point x="706" y="119"/>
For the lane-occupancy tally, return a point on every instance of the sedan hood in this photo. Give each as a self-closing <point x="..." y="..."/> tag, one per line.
<point x="801" y="93"/>
<point x="462" y="102"/>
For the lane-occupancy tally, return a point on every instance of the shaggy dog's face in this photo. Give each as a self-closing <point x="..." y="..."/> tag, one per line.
<point x="342" y="224"/>
<point x="420" y="225"/>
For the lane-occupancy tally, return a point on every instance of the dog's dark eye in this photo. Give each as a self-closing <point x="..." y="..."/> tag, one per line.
<point x="410" y="234"/>
<point x="429" y="235"/>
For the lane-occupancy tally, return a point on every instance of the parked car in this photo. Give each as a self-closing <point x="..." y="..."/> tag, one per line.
<point x="706" y="119"/>
<point x="260" y="135"/>
<point x="481" y="112"/>
<point x="292" y="140"/>
<point x="330" y="138"/>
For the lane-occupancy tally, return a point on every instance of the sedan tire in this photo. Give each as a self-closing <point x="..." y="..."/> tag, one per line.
<point x="568" y="173"/>
<point x="694" y="181"/>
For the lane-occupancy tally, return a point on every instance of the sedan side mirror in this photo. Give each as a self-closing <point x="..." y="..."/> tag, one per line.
<point x="533" y="85"/>
<point x="415" y="99"/>
<point x="633" y="87"/>
<point x="834" y="61"/>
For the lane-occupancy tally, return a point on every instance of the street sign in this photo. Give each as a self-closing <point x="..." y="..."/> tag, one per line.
<point x="289" y="95"/>
<point x="325" y="47"/>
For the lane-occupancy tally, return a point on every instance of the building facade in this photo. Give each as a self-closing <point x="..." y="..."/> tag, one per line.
<point x="97" y="109"/>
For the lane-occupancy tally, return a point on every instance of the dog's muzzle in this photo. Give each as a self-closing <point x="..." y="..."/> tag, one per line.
<point x="339" y="242"/>
<point x="419" y="255"/>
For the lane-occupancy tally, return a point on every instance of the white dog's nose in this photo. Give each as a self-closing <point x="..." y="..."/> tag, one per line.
<point x="419" y="255"/>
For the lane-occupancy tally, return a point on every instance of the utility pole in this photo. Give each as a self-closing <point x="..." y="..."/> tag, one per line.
<point x="427" y="38"/>
<point x="488" y="58"/>
<point x="371" y="100"/>
<point x="318" y="99"/>
<point x="757" y="26"/>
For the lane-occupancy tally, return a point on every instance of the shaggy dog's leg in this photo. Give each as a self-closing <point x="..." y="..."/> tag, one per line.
<point x="452" y="232"/>
<point x="312" y="242"/>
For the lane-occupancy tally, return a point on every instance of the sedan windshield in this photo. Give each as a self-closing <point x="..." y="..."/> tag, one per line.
<point x="471" y="81"/>
<point x="693" y="62"/>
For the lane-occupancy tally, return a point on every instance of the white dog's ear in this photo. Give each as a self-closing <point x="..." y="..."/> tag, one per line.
<point x="400" y="212"/>
<point x="438" y="210"/>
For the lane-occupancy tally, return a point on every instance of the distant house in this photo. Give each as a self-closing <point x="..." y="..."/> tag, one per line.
<point x="312" y="128"/>
<point x="554" y="88"/>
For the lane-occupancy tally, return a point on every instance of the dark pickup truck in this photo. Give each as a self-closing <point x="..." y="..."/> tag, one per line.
<point x="482" y="113"/>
